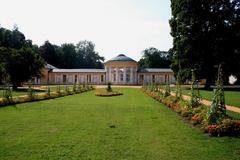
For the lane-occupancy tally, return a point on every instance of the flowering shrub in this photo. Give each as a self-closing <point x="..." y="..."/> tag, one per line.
<point x="32" y="96"/>
<point x="198" y="115"/>
<point x="196" y="119"/>
<point x="108" y="94"/>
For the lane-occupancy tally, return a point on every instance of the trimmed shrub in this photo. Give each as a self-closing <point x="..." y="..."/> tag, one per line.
<point x="108" y="94"/>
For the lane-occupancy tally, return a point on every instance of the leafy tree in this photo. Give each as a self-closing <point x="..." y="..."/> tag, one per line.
<point x="154" y="58"/>
<point x="13" y="39"/>
<point x="204" y="34"/>
<point x="69" y="55"/>
<point x="22" y="65"/>
<point x="90" y="58"/>
<point x="49" y="53"/>
<point x="19" y="60"/>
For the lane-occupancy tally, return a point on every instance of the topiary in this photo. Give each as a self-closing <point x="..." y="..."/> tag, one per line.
<point x="109" y="88"/>
<point x="167" y="91"/>
<point x="195" y="95"/>
<point x="217" y="110"/>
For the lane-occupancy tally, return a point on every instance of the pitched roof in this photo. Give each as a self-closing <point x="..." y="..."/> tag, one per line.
<point x="78" y="70"/>
<point x="121" y="57"/>
<point x="155" y="70"/>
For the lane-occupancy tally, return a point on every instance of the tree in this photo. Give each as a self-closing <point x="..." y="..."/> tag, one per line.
<point x="19" y="59"/>
<point x="49" y="53"/>
<point x="204" y="36"/>
<point x="69" y="55"/>
<point x="90" y="58"/>
<point x="154" y="58"/>
<point x="22" y="65"/>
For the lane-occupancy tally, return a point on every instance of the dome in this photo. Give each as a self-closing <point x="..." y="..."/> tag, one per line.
<point x="121" y="57"/>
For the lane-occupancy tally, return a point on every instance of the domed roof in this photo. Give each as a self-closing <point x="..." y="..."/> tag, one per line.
<point x="121" y="57"/>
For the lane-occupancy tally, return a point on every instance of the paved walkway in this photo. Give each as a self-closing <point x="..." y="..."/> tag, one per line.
<point x="208" y="103"/>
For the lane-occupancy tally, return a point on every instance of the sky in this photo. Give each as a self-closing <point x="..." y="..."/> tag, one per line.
<point x="114" y="26"/>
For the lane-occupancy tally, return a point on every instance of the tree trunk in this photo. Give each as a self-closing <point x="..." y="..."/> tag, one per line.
<point x="207" y="84"/>
<point x="15" y="87"/>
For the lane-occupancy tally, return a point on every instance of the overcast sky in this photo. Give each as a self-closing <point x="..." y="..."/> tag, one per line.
<point x="115" y="26"/>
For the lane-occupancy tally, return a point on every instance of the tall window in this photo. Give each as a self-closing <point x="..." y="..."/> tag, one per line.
<point x="153" y="78"/>
<point x="75" y="79"/>
<point x="89" y="78"/>
<point x="141" y="78"/>
<point x="166" y="78"/>
<point x="113" y="75"/>
<point x="102" y="78"/>
<point x="64" y="78"/>
<point x="120" y="71"/>
<point x="128" y="75"/>
<point x="121" y="77"/>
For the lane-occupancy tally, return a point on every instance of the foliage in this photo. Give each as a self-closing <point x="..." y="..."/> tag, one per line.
<point x="198" y="115"/>
<point x="205" y="33"/>
<point x="217" y="110"/>
<point x="18" y="57"/>
<point x="48" y="90"/>
<point x="167" y="91"/>
<point x="195" y="94"/>
<point x="31" y="92"/>
<point x="178" y="95"/>
<point x="109" y="88"/>
<point x="68" y="55"/>
<point x="108" y="94"/>
<point x="58" y="89"/>
<point x="153" y="58"/>
<point x="74" y="88"/>
<point x="7" y="92"/>
<point x="33" y="96"/>
<point x="66" y="90"/>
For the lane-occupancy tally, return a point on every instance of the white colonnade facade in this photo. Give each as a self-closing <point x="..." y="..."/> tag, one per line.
<point x="120" y="70"/>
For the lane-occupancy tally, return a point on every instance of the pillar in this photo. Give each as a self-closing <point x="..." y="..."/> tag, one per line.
<point x="131" y="75"/>
<point x="117" y="76"/>
<point x="124" y="75"/>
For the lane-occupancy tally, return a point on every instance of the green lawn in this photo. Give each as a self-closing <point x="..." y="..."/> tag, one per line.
<point x="20" y="92"/>
<point x="231" y="97"/>
<point x="83" y="126"/>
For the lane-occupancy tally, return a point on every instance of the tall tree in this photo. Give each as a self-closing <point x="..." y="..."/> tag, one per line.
<point x="91" y="58"/>
<point x="69" y="55"/>
<point x="203" y="37"/>
<point x="19" y="59"/>
<point x="48" y="53"/>
<point x="154" y="58"/>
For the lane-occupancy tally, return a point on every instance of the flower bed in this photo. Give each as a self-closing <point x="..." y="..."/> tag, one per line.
<point x="40" y="96"/>
<point x="197" y="116"/>
<point x="108" y="94"/>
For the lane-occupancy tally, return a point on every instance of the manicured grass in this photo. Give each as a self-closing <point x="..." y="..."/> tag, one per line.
<point x="20" y="92"/>
<point x="231" y="97"/>
<point x="85" y="126"/>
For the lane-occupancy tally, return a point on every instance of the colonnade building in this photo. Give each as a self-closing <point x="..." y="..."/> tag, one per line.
<point x="120" y="70"/>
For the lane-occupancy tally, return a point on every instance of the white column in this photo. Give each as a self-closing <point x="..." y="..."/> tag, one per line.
<point x="106" y="71"/>
<point x="55" y="78"/>
<point x="110" y="74"/>
<point x="124" y="75"/>
<point x="117" y="81"/>
<point x="131" y="75"/>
